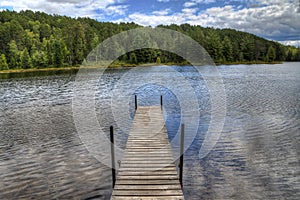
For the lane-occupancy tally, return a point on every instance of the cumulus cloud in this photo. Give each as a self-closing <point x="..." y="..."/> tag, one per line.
<point x="189" y="4"/>
<point x="204" y="1"/>
<point x="291" y="42"/>
<point x="161" y="12"/>
<point x="189" y="10"/>
<point x="73" y="8"/>
<point x="272" y="21"/>
<point x="154" y="19"/>
<point x="163" y="1"/>
<point x="67" y="1"/>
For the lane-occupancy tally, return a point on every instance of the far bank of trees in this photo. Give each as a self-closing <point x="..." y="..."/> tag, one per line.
<point x="228" y="45"/>
<point x="37" y="40"/>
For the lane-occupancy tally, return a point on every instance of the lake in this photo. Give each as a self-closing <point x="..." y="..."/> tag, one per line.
<point x="257" y="155"/>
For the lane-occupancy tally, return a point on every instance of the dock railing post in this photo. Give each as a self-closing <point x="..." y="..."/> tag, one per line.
<point x="113" y="162"/>
<point x="181" y="154"/>
<point x="135" y="102"/>
<point x="161" y="101"/>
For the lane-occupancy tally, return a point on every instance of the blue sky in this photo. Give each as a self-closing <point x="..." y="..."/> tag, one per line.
<point x="277" y="20"/>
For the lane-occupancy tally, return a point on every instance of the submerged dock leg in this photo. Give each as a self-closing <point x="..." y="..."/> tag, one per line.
<point x="181" y="154"/>
<point x="113" y="162"/>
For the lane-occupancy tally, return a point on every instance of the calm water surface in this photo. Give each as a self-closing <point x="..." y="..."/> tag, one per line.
<point x="256" y="157"/>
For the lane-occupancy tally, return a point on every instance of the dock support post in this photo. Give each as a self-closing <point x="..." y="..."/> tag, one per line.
<point x="135" y="102"/>
<point x="113" y="162"/>
<point x="161" y="101"/>
<point x="181" y="154"/>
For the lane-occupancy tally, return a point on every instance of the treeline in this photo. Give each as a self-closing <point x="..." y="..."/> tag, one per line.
<point x="37" y="40"/>
<point x="34" y="39"/>
<point x="230" y="46"/>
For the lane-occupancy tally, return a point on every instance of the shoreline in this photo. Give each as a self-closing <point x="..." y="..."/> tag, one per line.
<point x="122" y="66"/>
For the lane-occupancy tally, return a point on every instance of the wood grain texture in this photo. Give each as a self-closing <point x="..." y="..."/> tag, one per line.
<point x="147" y="170"/>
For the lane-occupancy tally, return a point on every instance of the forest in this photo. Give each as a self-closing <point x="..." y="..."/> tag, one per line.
<point x="38" y="40"/>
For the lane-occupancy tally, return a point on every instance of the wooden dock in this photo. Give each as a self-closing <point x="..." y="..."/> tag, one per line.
<point x="147" y="170"/>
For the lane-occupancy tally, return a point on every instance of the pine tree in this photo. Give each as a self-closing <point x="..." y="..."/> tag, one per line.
<point x="39" y="59"/>
<point x="3" y="62"/>
<point x="215" y="46"/>
<point x="79" y="44"/>
<point x="133" y="58"/>
<point x="227" y="49"/>
<point x="14" y="55"/>
<point x="158" y="61"/>
<point x="271" y="54"/>
<point x="25" y="59"/>
<point x="58" y="54"/>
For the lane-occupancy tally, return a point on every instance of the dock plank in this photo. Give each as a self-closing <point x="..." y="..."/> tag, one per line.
<point x="147" y="170"/>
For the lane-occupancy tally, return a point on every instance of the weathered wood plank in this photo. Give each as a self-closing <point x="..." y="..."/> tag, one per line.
<point x="133" y="173"/>
<point x="148" y="170"/>
<point x="179" y="197"/>
<point x="147" y="187"/>
<point x="148" y="182"/>
<point x="146" y="192"/>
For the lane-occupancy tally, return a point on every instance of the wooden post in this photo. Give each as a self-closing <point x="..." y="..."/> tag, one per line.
<point x="181" y="154"/>
<point x="113" y="162"/>
<point x="135" y="102"/>
<point x="161" y="101"/>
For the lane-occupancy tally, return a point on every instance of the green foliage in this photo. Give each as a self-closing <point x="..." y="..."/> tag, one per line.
<point x="271" y="55"/>
<point x="158" y="61"/>
<point x="58" y="54"/>
<point x="3" y="62"/>
<point x="25" y="59"/>
<point x="214" y="46"/>
<point x="133" y="58"/>
<point x="13" y="55"/>
<point x="39" y="59"/>
<point x="227" y="49"/>
<point x="35" y="39"/>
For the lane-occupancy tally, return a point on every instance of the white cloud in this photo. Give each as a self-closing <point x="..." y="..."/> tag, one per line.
<point x="154" y="20"/>
<point x="269" y="21"/>
<point x="67" y="1"/>
<point x="204" y="1"/>
<point x="189" y="10"/>
<point x="74" y="8"/>
<point x="291" y="42"/>
<point x="189" y="4"/>
<point x="161" y="12"/>
<point x="163" y="1"/>
<point x="116" y="10"/>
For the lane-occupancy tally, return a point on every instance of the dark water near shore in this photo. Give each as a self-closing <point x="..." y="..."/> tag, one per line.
<point x="256" y="157"/>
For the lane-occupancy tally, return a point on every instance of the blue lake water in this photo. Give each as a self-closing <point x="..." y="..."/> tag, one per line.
<point x="256" y="157"/>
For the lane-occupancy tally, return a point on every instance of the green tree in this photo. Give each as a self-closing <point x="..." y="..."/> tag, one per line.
<point x="271" y="55"/>
<point x="215" y="46"/>
<point x="45" y="31"/>
<point x="14" y="55"/>
<point x="158" y="61"/>
<point x="78" y="50"/>
<point x="3" y="62"/>
<point x="297" y="54"/>
<point x="16" y="31"/>
<point x="39" y="59"/>
<point x="58" y="54"/>
<point x="25" y="59"/>
<point x="133" y="58"/>
<point x="227" y="49"/>
<point x="124" y="58"/>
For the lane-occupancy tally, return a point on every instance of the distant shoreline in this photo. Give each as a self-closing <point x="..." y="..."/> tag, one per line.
<point x="122" y="66"/>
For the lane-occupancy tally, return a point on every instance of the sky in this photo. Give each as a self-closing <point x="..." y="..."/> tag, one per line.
<point x="277" y="20"/>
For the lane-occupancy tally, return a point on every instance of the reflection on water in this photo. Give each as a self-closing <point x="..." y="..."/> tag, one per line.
<point x="257" y="156"/>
